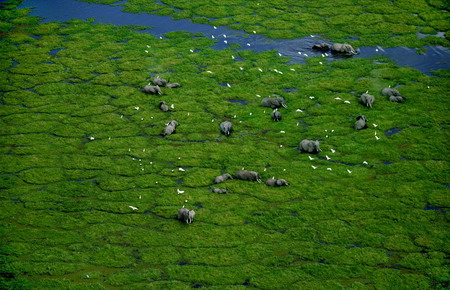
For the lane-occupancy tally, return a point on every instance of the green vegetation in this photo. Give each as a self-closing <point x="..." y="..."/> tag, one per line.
<point x="360" y="23"/>
<point x="66" y="221"/>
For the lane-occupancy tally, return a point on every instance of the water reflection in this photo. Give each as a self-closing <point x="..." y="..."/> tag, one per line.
<point x="436" y="57"/>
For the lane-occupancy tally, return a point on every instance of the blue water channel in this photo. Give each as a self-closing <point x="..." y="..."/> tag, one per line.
<point x="436" y="57"/>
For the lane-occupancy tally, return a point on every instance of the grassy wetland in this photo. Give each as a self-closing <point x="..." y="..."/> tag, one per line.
<point x="81" y="146"/>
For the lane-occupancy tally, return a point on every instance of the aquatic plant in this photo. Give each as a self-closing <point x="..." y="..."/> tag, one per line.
<point x="89" y="187"/>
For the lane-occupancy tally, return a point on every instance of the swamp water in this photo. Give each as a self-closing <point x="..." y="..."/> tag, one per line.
<point x="435" y="57"/>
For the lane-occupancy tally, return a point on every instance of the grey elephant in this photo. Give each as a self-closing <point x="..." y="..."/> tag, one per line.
<point x="322" y="46"/>
<point x="248" y="175"/>
<point x="170" y="128"/>
<point x="344" y="48"/>
<point x="219" y="190"/>
<point x="367" y="100"/>
<point x="361" y="122"/>
<point x="163" y="106"/>
<point x="226" y="127"/>
<point x="309" y="146"/>
<point x="222" y="178"/>
<point x="276" y="182"/>
<point x="276" y="115"/>
<point x="173" y="85"/>
<point x="274" y="103"/>
<point x="159" y="82"/>
<point x="186" y="215"/>
<point x="154" y="90"/>
<point x="397" y="99"/>
<point x="388" y="92"/>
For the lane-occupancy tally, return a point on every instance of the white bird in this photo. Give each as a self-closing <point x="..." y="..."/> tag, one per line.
<point x="208" y="71"/>
<point x="280" y="72"/>
<point x="365" y="162"/>
<point x="332" y="150"/>
<point x="337" y="98"/>
<point x="156" y="182"/>
<point x="142" y="169"/>
<point x="275" y="70"/>
<point x="320" y="62"/>
<point x="142" y="119"/>
<point x="258" y="96"/>
<point x="140" y="196"/>
<point x="146" y="51"/>
<point x="298" y="110"/>
<point x="212" y="36"/>
<point x="310" y="158"/>
<point x="332" y="131"/>
<point x="224" y="36"/>
<point x="180" y="191"/>
<point x="181" y="169"/>
<point x="109" y="138"/>
<point x="376" y="49"/>
<point x="349" y="171"/>
<point x="241" y="68"/>
<point x="328" y="158"/>
<point x="143" y="150"/>
<point x="428" y="87"/>
<point x="179" y="158"/>
<point x="151" y="118"/>
<point x="311" y="97"/>
<point x="265" y="169"/>
<point x="243" y="168"/>
<point x="251" y="113"/>
<point x="326" y="136"/>
<point x="282" y="132"/>
<point x="326" y="130"/>
<point x="260" y="69"/>
<point x="136" y="108"/>
<point x="232" y="56"/>
<point x="346" y="102"/>
<point x="215" y="27"/>
<point x="323" y="55"/>
<point x="225" y="41"/>
<point x="91" y="138"/>
<point x="160" y="37"/>
<point x="326" y="54"/>
<point x="133" y="207"/>
<point x="292" y="69"/>
<point x="129" y="149"/>
<point x="367" y="92"/>
<point x="329" y="169"/>
<point x="248" y="44"/>
<point x="299" y="52"/>
<point x="281" y="146"/>
<point x="378" y="138"/>
<point x="121" y="116"/>
<point x="254" y="32"/>
<point x="228" y="85"/>
<point x="151" y="162"/>
<point x="234" y="116"/>
<point x="305" y="54"/>
<point x="284" y="169"/>
<point x="375" y="125"/>
<point x="191" y="50"/>
<point x="312" y="36"/>
<point x="212" y="120"/>
<point x="87" y="276"/>
<point x="185" y="200"/>
<point x="148" y="46"/>
<point x="297" y="123"/>
<point x="280" y="54"/>
<point x="313" y="167"/>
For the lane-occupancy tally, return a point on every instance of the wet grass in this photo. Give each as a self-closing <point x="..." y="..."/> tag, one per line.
<point x="76" y="153"/>
<point x="369" y="23"/>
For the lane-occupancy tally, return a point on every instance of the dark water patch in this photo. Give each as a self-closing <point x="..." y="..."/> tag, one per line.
<point x="95" y="74"/>
<point x="294" y="213"/>
<point x="447" y="185"/>
<point x="392" y="131"/>
<point x="123" y="41"/>
<point x="182" y="263"/>
<point x="387" y="163"/>
<point x="265" y="132"/>
<point x="114" y="58"/>
<point x="179" y="181"/>
<point x="197" y="286"/>
<point x="14" y="64"/>
<point x="442" y="210"/>
<point x="246" y="283"/>
<point x="290" y="90"/>
<point x="198" y="205"/>
<point x="318" y="104"/>
<point x="50" y="62"/>
<point x="53" y="52"/>
<point x="37" y="37"/>
<point x="439" y="35"/>
<point x="242" y="102"/>
<point x="223" y="85"/>
<point x="42" y="188"/>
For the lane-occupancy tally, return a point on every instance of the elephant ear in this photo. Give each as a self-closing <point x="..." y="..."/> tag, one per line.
<point x="279" y="182"/>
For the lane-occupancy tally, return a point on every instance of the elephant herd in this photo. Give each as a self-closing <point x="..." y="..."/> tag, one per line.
<point x="226" y="127"/>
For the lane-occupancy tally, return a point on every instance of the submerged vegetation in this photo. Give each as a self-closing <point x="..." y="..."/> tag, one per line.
<point x="89" y="187"/>
<point x="361" y="23"/>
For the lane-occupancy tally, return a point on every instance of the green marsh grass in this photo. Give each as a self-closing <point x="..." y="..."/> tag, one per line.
<point x="66" y="220"/>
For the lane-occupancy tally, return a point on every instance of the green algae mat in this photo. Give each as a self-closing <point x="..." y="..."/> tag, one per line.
<point x="90" y="190"/>
<point x="360" y="22"/>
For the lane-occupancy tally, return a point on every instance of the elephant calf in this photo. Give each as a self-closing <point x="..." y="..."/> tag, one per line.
<point x="393" y="94"/>
<point x="163" y="106"/>
<point x="309" y="146"/>
<point x="276" y="182"/>
<point x="222" y="178"/>
<point x="343" y="48"/>
<point x="170" y="128"/>
<point x="276" y="115"/>
<point x="159" y="82"/>
<point x="226" y="127"/>
<point x="154" y="90"/>
<point x="186" y="215"/>
<point x="220" y="190"/>
<point x="361" y="122"/>
<point x="322" y="46"/>
<point x="248" y="175"/>
<point x="173" y="85"/>
<point x="274" y="103"/>
<point x="367" y="100"/>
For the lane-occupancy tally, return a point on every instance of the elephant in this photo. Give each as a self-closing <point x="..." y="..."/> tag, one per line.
<point x="248" y="175"/>
<point x="276" y="182"/>
<point x="163" y="106"/>
<point x="367" y="100"/>
<point x="274" y="103"/>
<point x="160" y="82"/>
<point x="220" y="190"/>
<point x="397" y="99"/>
<point x="222" y="178"/>
<point x="276" y="115"/>
<point x="322" y="46"/>
<point x="388" y="92"/>
<point x="343" y="48"/>
<point x="226" y="127"/>
<point x="154" y="90"/>
<point x="310" y="146"/>
<point x="173" y="85"/>
<point x="186" y="215"/>
<point x="361" y="122"/>
<point x="170" y="128"/>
